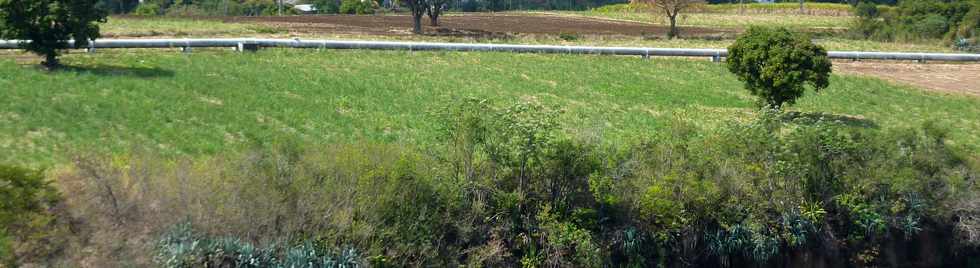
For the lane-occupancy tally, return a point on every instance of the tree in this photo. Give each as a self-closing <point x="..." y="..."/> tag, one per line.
<point x="776" y="64"/>
<point x="435" y="9"/>
<point x="418" y="7"/>
<point x="50" y="24"/>
<point x="671" y="8"/>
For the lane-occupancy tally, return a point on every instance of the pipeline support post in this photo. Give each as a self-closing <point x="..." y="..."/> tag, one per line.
<point x="247" y="46"/>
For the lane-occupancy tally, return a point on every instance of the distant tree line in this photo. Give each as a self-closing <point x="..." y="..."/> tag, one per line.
<point x="957" y="22"/>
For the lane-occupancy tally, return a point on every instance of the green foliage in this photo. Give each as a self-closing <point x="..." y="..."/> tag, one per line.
<point x="776" y="64"/>
<point x="565" y="244"/>
<point x="568" y="36"/>
<point x="524" y="131"/>
<point x="912" y="20"/>
<point x="358" y="7"/>
<point x="6" y="249"/>
<point x="29" y="230"/>
<point x="147" y="9"/>
<point x="50" y="24"/>
<point x="866" y="10"/>
<point x="326" y="6"/>
<point x="743" y="194"/>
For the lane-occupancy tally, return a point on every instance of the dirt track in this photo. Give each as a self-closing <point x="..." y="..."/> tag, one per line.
<point x="942" y="77"/>
<point x="481" y="25"/>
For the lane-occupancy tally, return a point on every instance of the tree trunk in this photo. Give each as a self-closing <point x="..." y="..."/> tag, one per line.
<point x="434" y="11"/>
<point x="51" y="61"/>
<point x="673" y="27"/>
<point x="801" y="7"/>
<point x="417" y="23"/>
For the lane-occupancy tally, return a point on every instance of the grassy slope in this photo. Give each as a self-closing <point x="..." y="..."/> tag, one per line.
<point x="208" y="101"/>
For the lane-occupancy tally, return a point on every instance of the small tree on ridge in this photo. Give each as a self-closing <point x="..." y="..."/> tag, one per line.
<point x="672" y="8"/>
<point x="435" y="10"/>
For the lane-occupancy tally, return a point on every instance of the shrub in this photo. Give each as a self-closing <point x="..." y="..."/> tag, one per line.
<point x="50" y="24"/>
<point x="359" y="7"/>
<point x="776" y="64"/>
<point x="326" y="6"/>
<point x="568" y="36"/>
<point x="147" y="9"/>
<point x="29" y="231"/>
<point x="928" y="26"/>
<point x="866" y="10"/>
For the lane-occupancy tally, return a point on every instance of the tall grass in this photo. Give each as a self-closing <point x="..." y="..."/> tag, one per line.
<point x="740" y="194"/>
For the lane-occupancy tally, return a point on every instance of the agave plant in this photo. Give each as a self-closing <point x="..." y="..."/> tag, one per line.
<point x="182" y="247"/>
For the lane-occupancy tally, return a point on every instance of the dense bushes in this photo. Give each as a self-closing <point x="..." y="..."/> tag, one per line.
<point x="148" y="9"/>
<point x="957" y="22"/>
<point x="507" y="188"/>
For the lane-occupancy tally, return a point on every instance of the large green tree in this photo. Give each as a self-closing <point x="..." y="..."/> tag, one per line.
<point x="49" y="25"/>
<point x="776" y="64"/>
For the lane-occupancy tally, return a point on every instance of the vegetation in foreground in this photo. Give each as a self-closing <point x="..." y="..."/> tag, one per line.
<point x="504" y="186"/>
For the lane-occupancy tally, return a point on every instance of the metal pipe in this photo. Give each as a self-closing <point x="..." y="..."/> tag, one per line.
<point x="715" y="54"/>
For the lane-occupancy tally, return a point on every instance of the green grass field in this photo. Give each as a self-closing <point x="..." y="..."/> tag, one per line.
<point x="209" y="101"/>
<point x="179" y="27"/>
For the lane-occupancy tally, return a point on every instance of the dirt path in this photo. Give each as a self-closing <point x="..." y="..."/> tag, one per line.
<point x="482" y="24"/>
<point x="942" y="77"/>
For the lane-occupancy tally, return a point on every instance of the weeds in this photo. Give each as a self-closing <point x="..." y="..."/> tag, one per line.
<point x="507" y="188"/>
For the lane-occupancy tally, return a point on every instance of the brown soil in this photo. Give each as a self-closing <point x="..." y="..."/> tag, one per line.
<point x="942" y="77"/>
<point x="470" y="25"/>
